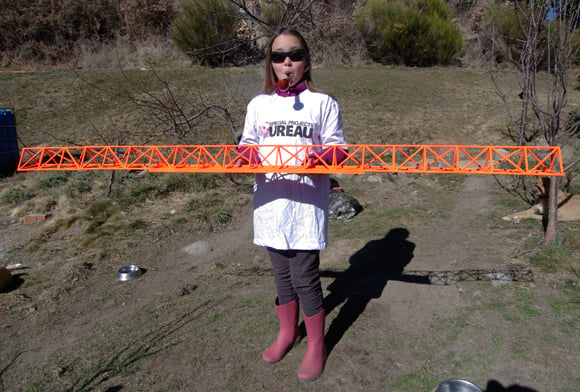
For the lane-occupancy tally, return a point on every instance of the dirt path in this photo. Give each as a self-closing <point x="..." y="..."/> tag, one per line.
<point x="445" y="248"/>
<point x="463" y="239"/>
<point x="403" y="307"/>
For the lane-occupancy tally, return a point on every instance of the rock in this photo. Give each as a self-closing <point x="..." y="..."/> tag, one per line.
<point x="499" y="278"/>
<point x="340" y="204"/>
<point x="198" y="248"/>
<point x="376" y="178"/>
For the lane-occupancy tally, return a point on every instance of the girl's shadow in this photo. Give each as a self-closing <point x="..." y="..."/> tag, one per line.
<point x="371" y="267"/>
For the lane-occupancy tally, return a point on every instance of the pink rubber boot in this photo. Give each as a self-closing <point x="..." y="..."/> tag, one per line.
<point x="288" y="335"/>
<point x="315" y="356"/>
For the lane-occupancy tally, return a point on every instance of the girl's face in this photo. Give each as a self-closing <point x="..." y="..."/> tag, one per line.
<point x="288" y="58"/>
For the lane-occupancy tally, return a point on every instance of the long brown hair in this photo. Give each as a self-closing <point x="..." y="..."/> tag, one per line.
<point x="271" y="79"/>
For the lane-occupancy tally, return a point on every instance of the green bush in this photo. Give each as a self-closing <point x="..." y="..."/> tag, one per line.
<point x="274" y="13"/>
<point x="409" y="32"/>
<point x="207" y="31"/>
<point x="504" y="30"/>
<point x="501" y="33"/>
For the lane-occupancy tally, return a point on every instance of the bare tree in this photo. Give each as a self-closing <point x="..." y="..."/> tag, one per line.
<point x="548" y="28"/>
<point x="289" y="11"/>
<point x="180" y="110"/>
<point x="328" y="25"/>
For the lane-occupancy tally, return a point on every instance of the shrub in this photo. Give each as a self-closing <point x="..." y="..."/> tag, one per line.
<point x="15" y="195"/>
<point x="501" y="32"/>
<point x="207" y="31"/>
<point x="504" y="29"/>
<point x="274" y="14"/>
<point x="147" y="17"/>
<point x="186" y="182"/>
<point x="54" y="180"/>
<point x="51" y="31"/>
<point x="98" y="213"/>
<point x="77" y="187"/>
<point x="46" y="30"/>
<point x="409" y="32"/>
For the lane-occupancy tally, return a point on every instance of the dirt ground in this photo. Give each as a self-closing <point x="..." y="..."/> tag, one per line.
<point x="427" y="283"/>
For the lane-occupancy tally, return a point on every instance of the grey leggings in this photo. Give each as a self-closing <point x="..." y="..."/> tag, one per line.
<point x="297" y="277"/>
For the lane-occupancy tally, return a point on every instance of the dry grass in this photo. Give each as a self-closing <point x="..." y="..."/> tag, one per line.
<point x="379" y="104"/>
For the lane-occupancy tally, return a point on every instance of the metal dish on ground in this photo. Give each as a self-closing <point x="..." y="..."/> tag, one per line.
<point x="456" y="385"/>
<point x="129" y="272"/>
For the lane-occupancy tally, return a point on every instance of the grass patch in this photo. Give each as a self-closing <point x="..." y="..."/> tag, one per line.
<point x="76" y="271"/>
<point x="448" y="329"/>
<point x="555" y="257"/>
<point x="210" y="210"/>
<point x="370" y="224"/>
<point x="413" y="382"/>
<point x="566" y="306"/>
<point x="97" y="214"/>
<point x="16" y="195"/>
<point x="380" y="214"/>
<point x="522" y="308"/>
<point x="130" y="190"/>
<point x="53" y="180"/>
<point x="187" y="182"/>
<point x="80" y="184"/>
<point x="165" y="229"/>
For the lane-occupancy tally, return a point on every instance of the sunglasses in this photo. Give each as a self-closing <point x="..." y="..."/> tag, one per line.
<point x="295" y="55"/>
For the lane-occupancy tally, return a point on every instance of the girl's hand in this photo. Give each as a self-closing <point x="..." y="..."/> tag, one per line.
<point x="246" y="157"/>
<point x="325" y="155"/>
<point x="310" y="162"/>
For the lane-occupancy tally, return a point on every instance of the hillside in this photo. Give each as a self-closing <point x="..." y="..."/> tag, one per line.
<point x="451" y="290"/>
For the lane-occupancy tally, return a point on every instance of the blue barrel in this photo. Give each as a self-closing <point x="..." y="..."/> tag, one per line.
<point x="9" y="154"/>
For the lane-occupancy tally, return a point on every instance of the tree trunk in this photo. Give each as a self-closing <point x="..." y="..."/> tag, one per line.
<point x="552" y="210"/>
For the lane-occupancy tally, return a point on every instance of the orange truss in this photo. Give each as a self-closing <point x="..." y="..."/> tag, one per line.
<point x="452" y="159"/>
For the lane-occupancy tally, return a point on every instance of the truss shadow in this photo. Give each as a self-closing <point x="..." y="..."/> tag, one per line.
<point x="385" y="259"/>
<point x="446" y="278"/>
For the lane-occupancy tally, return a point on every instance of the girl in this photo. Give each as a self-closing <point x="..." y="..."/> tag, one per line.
<point x="291" y="210"/>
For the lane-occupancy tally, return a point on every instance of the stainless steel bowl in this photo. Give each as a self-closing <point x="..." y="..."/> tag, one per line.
<point x="129" y="272"/>
<point x="456" y="385"/>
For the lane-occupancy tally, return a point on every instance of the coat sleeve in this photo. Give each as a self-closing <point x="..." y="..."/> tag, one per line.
<point x="250" y="132"/>
<point x="249" y="135"/>
<point x="332" y="131"/>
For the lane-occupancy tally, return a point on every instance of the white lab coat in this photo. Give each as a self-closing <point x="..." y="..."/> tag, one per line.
<point x="291" y="210"/>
